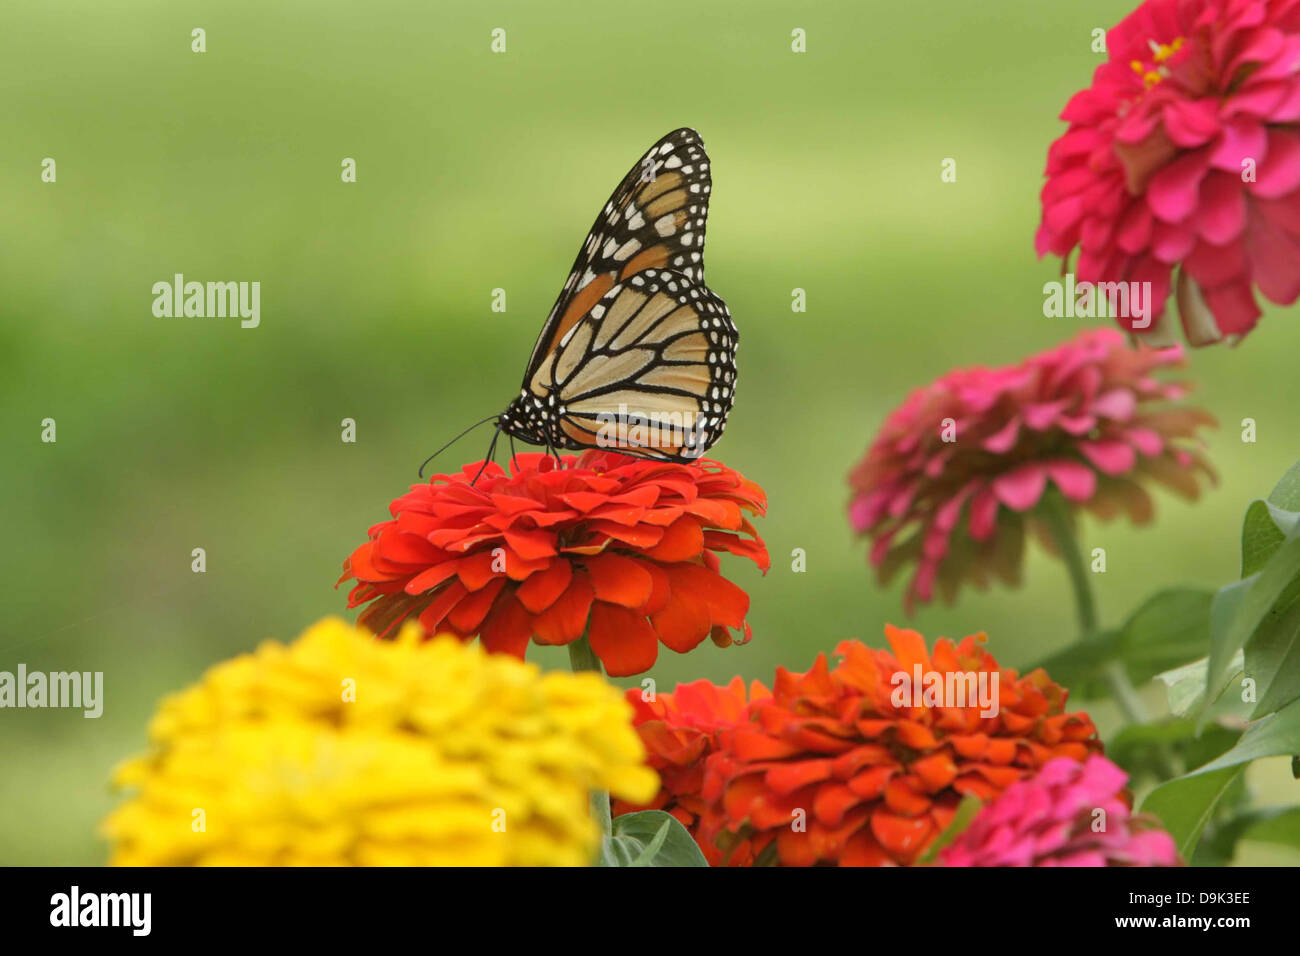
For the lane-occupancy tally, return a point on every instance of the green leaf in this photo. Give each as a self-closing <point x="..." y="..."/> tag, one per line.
<point x="1276" y="825"/>
<point x="1273" y="659"/>
<point x="600" y="809"/>
<point x="1079" y="666"/>
<point x="1272" y="736"/>
<point x="650" y="838"/>
<point x="1215" y="741"/>
<point x="1186" y="804"/>
<point x="1279" y="825"/>
<point x="768" y="856"/>
<point x="1286" y="493"/>
<point x="1170" y="627"/>
<point x="1218" y="845"/>
<point x="1161" y="750"/>
<point x="967" y="810"/>
<point x="1260" y="536"/>
<point x="653" y="847"/>
<point x="1132" y="737"/>
<point x="1261" y="613"/>
<point x="1185" y="686"/>
<point x="1236" y="612"/>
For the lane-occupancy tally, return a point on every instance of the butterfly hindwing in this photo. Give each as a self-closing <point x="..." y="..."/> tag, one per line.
<point x="649" y="368"/>
<point x="655" y="219"/>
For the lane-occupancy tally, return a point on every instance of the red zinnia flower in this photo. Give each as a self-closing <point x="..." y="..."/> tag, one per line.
<point x="981" y="444"/>
<point x="1052" y="819"/>
<point x="1185" y="151"/>
<point x="680" y="731"/>
<point x="623" y="549"/>
<point x="826" y="768"/>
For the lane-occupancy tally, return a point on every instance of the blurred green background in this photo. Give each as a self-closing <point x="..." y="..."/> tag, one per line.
<point x="478" y="171"/>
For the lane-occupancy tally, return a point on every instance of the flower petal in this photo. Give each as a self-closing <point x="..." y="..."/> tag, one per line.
<point x="623" y="640"/>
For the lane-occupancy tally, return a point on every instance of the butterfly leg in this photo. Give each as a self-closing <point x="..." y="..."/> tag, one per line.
<point x="514" y="462"/>
<point x="491" y="456"/>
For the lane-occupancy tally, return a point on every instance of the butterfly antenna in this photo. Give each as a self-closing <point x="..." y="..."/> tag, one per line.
<point x="491" y="455"/>
<point x="452" y="442"/>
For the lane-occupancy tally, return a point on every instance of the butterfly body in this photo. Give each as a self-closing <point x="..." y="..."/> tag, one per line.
<point x="637" y="354"/>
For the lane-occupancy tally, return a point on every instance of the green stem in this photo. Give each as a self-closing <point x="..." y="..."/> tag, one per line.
<point x="583" y="658"/>
<point x="1126" y="694"/>
<point x="1057" y="518"/>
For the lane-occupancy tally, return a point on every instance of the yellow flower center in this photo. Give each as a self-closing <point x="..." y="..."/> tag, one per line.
<point x="1154" y="71"/>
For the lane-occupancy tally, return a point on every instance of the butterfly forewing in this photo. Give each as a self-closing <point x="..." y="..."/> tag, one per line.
<point x="655" y="219"/>
<point x="637" y="353"/>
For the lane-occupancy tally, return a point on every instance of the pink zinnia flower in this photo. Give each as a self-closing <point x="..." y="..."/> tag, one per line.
<point x="1185" y="152"/>
<point x="954" y="473"/>
<point x="1052" y="819"/>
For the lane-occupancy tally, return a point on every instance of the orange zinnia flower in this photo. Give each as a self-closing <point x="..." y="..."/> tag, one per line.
<point x="826" y="768"/>
<point x="623" y="549"/>
<point x="680" y="731"/>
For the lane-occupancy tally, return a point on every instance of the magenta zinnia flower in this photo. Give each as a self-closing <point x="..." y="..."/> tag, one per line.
<point x="1053" y="819"/>
<point x="958" y="471"/>
<point x="1184" y="153"/>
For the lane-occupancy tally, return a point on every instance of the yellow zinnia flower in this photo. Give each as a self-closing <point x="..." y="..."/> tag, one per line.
<point x="342" y="750"/>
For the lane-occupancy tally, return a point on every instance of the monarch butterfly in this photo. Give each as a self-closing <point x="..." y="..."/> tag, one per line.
<point x="637" y="354"/>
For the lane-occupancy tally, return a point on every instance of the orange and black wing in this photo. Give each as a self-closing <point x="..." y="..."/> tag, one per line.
<point x="655" y="219"/>
<point x="649" y="368"/>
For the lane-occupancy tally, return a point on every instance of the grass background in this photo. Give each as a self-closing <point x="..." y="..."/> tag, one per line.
<point x="478" y="171"/>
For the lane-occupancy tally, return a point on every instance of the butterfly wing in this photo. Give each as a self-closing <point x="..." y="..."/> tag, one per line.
<point x="649" y="368"/>
<point x="655" y="219"/>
